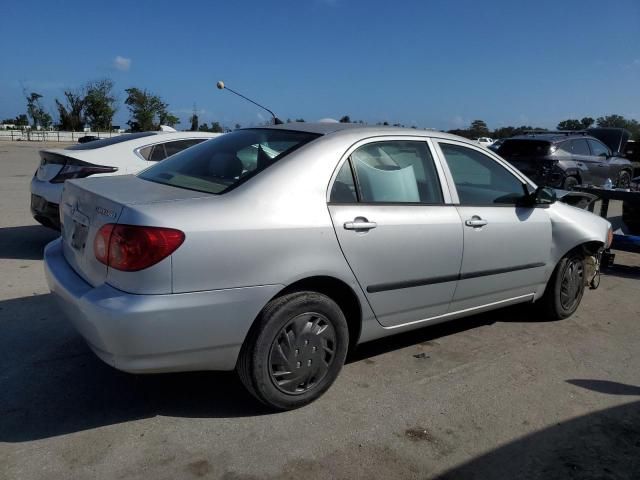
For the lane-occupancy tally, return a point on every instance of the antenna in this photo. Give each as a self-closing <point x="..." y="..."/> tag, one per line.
<point x="222" y="86"/>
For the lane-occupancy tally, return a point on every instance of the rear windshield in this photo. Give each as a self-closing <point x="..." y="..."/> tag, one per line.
<point x="105" y="142"/>
<point x="524" y="148"/>
<point x="220" y="164"/>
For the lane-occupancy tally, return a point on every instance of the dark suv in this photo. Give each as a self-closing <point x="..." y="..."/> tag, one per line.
<point x="566" y="159"/>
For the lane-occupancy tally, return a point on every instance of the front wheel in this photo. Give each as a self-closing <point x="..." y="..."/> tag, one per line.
<point x="624" y="179"/>
<point x="565" y="288"/>
<point x="295" y="351"/>
<point x="570" y="182"/>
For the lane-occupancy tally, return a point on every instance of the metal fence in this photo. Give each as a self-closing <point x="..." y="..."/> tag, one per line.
<point x="50" y="136"/>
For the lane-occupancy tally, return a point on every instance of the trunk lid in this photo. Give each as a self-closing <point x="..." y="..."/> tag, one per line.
<point x="51" y="162"/>
<point x="90" y="203"/>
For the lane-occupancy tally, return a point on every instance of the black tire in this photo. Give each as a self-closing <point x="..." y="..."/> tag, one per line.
<point x="565" y="288"/>
<point x="570" y="182"/>
<point x="624" y="179"/>
<point x="295" y="350"/>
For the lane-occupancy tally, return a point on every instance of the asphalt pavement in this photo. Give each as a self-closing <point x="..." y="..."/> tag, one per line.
<point x="498" y="395"/>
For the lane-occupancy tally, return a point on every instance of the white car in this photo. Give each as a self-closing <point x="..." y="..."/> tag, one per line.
<point x="124" y="154"/>
<point x="485" y="141"/>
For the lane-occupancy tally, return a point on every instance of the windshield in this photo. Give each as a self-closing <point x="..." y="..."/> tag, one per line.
<point x="220" y="164"/>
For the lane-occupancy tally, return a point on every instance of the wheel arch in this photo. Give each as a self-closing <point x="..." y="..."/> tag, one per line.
<point x="334" y="288"/>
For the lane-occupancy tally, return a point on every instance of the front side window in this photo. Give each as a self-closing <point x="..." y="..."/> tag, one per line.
<point x="479" y="179"/>
<point x="220" y="164"/>
<point x="598" y="149"/>
<point x="396" y="172"/>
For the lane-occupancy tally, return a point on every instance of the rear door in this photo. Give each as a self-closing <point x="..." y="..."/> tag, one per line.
<point x="506" y="246"/>
<point x="403" y="243"/>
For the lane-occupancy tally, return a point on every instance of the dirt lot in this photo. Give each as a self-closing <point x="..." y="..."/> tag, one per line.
<point x="499" y="395"/>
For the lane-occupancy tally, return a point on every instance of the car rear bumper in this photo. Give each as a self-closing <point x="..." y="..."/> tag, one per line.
<point x="45" y="202"/>
<point x="156" y="333"/>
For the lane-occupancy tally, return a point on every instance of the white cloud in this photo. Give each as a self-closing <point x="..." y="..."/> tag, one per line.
<point x="121" y="63"/>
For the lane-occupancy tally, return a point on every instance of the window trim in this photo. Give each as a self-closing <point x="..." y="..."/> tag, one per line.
<point x="346" y="157"/>
<point x="137" y="153"/>
<point x="452" y="186"/>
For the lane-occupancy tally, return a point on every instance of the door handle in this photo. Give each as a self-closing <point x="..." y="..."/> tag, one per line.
<point x="360" y="223"/>
<point x="475" y="222"/>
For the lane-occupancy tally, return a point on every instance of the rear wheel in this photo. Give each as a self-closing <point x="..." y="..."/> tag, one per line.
<point x="570" y="182"/>
<point x="565" y="288"/>
<point x="295" y="351"/>
<point x="624" y="179"/>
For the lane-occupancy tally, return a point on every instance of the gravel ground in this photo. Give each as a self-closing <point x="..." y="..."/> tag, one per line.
<point x="499" y="395"/>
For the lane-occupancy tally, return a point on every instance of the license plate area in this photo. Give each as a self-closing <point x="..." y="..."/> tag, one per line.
<point x="80" y="230"/>
<point x="79" y="236"/>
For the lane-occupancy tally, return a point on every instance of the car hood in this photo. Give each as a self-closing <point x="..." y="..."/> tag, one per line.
<point x="614" y="138"/>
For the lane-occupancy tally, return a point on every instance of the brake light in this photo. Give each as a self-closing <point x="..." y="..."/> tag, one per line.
<point x="131" y="247"/>
<point x="79" y="169"/>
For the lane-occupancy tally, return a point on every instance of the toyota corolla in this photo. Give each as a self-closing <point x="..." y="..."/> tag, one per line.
<point x="273" y="251"/>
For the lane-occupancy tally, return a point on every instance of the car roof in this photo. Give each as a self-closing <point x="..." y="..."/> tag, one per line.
<point x="330" y="128"/>
<point x="138" y="139"/>
<point x="553" y="137"/>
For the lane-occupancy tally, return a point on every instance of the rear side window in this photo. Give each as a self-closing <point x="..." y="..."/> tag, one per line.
<point x="479" y="179"/>
<point x="221" y="164"/>
<point x="158" y="153"/>
<point x="580" y="147"/>
<point x="171" y="148"/>
<point x="344" y="187"/>
<point x="396" y="172"/>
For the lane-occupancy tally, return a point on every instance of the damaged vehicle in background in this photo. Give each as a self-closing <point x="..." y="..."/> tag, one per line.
<point x="566" y="159"/>
<point x="273" y="251"/>
<point x="100" y="157"/>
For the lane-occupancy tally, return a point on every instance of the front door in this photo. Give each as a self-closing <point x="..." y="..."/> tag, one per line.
<point x="402" y="243"/>
<point x="506" y="246"/>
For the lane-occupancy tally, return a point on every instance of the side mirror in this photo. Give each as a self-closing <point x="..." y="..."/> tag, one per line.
<point x="544" y="196"/>
<point x="540" y="197"/>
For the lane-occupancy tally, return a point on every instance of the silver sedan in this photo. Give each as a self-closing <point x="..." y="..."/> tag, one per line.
<point x="273" y="251"/>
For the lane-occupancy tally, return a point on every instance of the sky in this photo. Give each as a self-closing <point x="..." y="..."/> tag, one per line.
<point x="430" y="63"/>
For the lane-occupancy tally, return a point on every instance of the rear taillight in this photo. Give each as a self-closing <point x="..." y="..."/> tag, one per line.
<point x="131" y="248"/>
<point x="78" y="169"/>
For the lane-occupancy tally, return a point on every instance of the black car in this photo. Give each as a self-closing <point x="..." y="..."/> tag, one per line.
<point x="566" y="159"/>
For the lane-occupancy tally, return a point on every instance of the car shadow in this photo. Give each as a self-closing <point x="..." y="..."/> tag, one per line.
<point x="52" y="384"/>
<point x="606" y="386"/>
<point x="26" y="242"/>
<point x="600" y="445"/>
<point x="624" y="271"/>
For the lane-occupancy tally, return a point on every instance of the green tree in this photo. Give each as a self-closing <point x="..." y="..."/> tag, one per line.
<point x="169" y="119"/>
<point x="570" y="124"/>
<point x="21" y="121"/>
<point x="238" y="126"/>
<point x="587" y="122"/>
<point x="203" y="128"/>
<point x="100" y="104"/>
<point x="301" y="120"/>
<point x="478" y="128"/>
<point x="71" y="115"/>
<point x="345" y="119"/>
<point x="193" y="119"/>
<point x="39" y="117"/>
<point x="146" y="110"/>
<point x="216" y="127"/>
